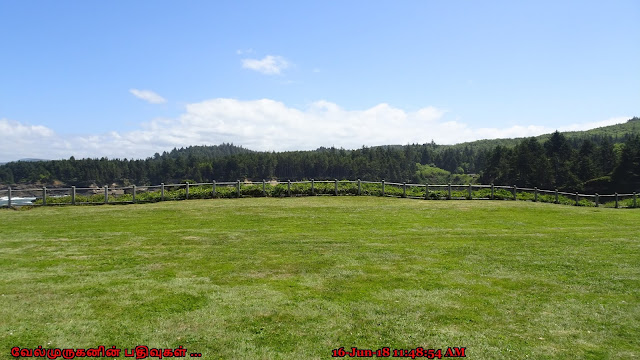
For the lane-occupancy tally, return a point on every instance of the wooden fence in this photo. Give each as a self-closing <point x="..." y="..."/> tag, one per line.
<point x="137" y="194"/>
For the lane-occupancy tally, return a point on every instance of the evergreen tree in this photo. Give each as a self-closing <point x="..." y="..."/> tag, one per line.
<point x="626" y="175"/>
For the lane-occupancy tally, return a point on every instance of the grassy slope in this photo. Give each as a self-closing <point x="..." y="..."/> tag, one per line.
<point x="297" y="277"/>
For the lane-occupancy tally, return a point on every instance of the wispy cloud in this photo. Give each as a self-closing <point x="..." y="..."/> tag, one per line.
<point x="148" y="96"/>
<point x="263" y="125"/>
<point x="269" y="65"/>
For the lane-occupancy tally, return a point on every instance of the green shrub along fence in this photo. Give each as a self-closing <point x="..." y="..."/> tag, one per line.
<point x="141" y="194"/>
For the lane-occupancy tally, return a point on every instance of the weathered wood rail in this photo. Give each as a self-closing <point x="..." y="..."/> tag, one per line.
<point x="137" y="194"/>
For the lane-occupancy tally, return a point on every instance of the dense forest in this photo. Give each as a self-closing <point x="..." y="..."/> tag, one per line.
<point x="599" y="160"/>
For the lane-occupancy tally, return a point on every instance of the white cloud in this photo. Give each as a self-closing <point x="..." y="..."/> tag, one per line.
<point x="25" y="141"/>
<point x="261" y="125"/>
<point x="148" y="96"/>
<point x="13" y="129"/>
<point x="270" y="64"/>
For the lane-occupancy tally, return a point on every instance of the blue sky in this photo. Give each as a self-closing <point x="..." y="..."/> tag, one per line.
<point x="129" y="78"/>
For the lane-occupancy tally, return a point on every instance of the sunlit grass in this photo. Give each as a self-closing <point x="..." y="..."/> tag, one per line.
<point x="297" y="277"/>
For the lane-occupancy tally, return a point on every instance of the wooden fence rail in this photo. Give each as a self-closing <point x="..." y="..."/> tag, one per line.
<point x="148" y="193"/>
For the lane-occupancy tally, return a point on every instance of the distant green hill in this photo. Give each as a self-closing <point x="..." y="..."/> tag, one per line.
<point x="632" y="126"/>
<point x="618" y="133"/>
<point x="26" y="160"/>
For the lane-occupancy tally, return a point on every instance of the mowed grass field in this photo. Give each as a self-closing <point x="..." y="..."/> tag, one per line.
<point x="294" y="278"/>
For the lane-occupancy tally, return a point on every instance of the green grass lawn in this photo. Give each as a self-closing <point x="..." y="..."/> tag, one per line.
<point x="295" y="278"/>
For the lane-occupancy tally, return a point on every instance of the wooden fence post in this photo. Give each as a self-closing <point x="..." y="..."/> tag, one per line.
<point x="635" y="203"/>
<point x="134" y="188"/>
<point x="213" y="189"/>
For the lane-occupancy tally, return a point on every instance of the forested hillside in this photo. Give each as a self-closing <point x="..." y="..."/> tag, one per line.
<point x="604" y="159"/>
<point x="618" y="133"/>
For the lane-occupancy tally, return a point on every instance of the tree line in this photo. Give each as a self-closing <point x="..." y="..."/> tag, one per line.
<point x="595" y="163"/>
<point x="590" y="166"/>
